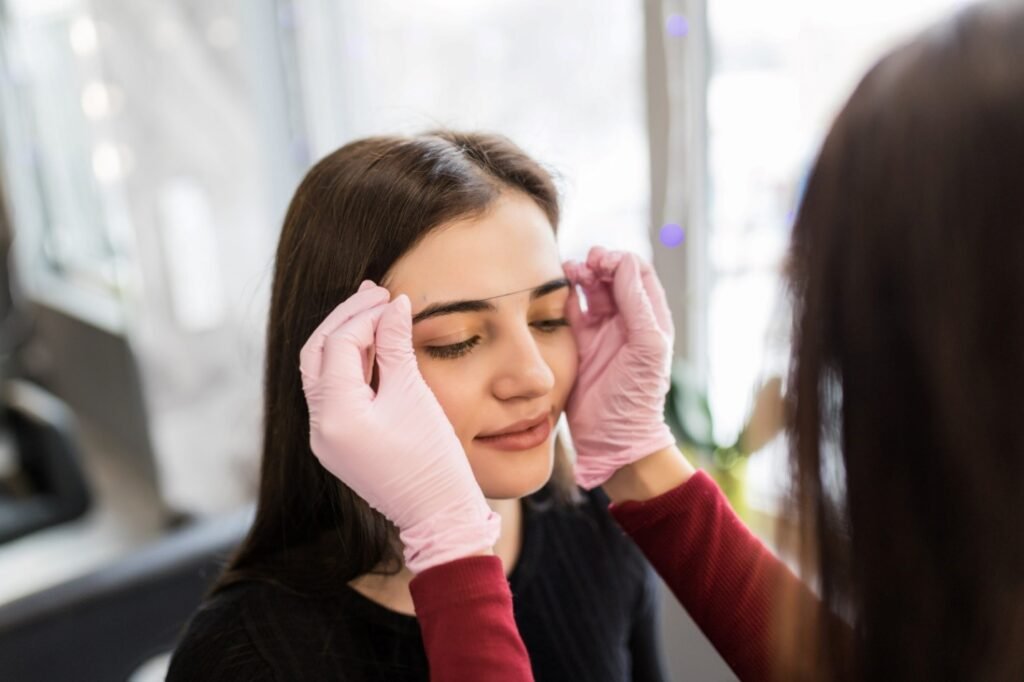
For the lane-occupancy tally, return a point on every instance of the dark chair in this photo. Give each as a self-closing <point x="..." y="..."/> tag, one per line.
<point x="47" y="486"/>
<point x="105" y="625"/>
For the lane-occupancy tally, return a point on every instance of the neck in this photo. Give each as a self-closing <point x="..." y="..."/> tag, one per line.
<point x="510" y="541"/>
<point x="392" y="591"/>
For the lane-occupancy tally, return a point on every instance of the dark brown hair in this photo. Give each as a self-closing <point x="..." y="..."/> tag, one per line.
<point x="906" y="418"/>
<point x="353" y="215"/>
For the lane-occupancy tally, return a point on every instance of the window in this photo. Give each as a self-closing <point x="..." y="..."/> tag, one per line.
<point x="780" y="72"/>
<point x="563" y="80"/>
<point x="62" y="167"/>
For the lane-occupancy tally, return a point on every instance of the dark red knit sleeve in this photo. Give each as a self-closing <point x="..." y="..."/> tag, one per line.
<point x="725" y="578"/>
<point x="720" y="572"/>
<point x="464" y="609"/>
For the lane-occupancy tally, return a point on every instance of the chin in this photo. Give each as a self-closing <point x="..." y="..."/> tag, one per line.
<point x="511" y="475"/>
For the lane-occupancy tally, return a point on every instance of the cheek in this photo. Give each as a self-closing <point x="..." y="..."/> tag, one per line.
<point x="451" y="387"/>
<point x="563" y="359"/>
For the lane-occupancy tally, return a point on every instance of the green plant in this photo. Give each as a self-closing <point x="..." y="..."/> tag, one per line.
<point x="689" y="417"/>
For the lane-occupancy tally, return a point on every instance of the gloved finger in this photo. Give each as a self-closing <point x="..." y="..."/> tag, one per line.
<point x="394" y="340"/>
<point x="631" y="296"/>
<point x="310" y="357"/>
<point x="604" y="262"/>
<point x="345" y="349"/>
<point x="368" y="360"/>
<point x="579" y="273"/>
<point x="594" y="256"/>
<point x="571" y="269"/>
<point x="573" y="311"/>
<point x="573" y="306"/>
<point x="656" y="295"/>
<point x="600" y="301"/>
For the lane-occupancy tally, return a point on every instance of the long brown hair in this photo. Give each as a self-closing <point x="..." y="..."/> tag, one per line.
<point x="906" y="271"/>
<point x="353" y="215"/>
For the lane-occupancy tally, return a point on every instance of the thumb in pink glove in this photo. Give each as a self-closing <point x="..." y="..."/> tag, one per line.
<point x="394" y="447"/>
<point x="616" y="411"/>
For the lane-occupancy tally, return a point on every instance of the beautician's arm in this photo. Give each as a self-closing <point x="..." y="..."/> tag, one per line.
<point x="723" y="575"/>
<point x="464" y="608"/>
<point x="649" y="477"/>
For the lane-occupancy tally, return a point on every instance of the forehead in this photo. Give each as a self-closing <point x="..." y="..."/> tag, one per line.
<point x="509" y="248"/>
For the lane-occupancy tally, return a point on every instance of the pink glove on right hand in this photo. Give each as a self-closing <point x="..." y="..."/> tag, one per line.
<point x="616" y="411"/>
<point x="396" y="449"/>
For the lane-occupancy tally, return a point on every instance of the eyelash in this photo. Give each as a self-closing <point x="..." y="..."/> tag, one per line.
<point x="457" y="350"/>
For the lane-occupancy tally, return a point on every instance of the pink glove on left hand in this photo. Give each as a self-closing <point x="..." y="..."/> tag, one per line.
<point x="616" y="411"/>
<point x="394" y="446"/>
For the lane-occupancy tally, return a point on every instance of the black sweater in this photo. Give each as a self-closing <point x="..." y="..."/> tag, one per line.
<point x="584" y="599"/>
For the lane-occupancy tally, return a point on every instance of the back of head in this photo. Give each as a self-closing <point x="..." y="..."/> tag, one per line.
<point x="353" y="215"/>
<point x="907" y="275"/>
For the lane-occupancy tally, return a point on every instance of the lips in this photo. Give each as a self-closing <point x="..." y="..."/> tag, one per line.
<point x="524" y="425"/>
<point x="519" y="441"/>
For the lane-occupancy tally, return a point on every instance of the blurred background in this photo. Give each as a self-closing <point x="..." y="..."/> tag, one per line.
<point x="148" y="149"/>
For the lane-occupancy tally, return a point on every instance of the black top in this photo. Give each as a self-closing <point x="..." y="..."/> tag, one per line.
<point x="584" y="600"/>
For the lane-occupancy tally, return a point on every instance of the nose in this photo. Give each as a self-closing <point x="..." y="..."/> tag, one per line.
<point x="523" y="371"/>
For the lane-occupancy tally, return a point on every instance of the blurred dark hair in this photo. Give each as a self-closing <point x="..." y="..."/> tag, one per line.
<point x="906" y="272"/>
<point x="353" y="215"/>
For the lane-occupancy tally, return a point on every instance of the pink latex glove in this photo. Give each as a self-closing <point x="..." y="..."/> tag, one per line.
<point x="616" y="410"/>
<point x="395" y="448"/>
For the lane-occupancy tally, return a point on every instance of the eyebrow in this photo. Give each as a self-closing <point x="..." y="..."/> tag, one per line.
<point x="450" y="307"/>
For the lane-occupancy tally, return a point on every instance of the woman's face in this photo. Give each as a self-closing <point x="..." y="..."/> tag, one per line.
<point x="506" y="354"/>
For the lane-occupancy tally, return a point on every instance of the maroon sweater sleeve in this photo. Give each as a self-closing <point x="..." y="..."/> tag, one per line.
<point x="725" y="578"/>
<point x="719" y="571"/>
<point x="464" y="609"/>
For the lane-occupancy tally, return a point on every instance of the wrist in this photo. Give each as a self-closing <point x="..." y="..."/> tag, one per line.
<point x="650" y="476"/>
<point x="445" y="537"/>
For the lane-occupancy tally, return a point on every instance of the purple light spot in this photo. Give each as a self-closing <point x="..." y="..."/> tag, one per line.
<point x="677" y="25"/>
<point x="671" y="235"/>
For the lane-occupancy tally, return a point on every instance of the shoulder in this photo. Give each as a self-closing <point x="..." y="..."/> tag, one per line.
<point x="245" y="632"/>
<point x="217" y="643"/>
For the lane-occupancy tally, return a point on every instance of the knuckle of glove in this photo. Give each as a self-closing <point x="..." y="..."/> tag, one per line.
<point x="338" y="433"/>
<point x="652" y="342"/>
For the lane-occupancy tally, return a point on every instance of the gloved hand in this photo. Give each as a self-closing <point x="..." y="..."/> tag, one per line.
<point x="395" y="448"/>
<point x="616" y="410"/>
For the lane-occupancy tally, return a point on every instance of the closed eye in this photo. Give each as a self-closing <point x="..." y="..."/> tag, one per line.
<point x="461" y="348"/>
<point x="453" y="351"/>
<point x="552" y="325"/>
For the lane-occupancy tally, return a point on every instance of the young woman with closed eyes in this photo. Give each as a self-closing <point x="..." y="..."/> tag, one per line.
<point x="906" y="271"/>
<point x="461" y="228"/>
